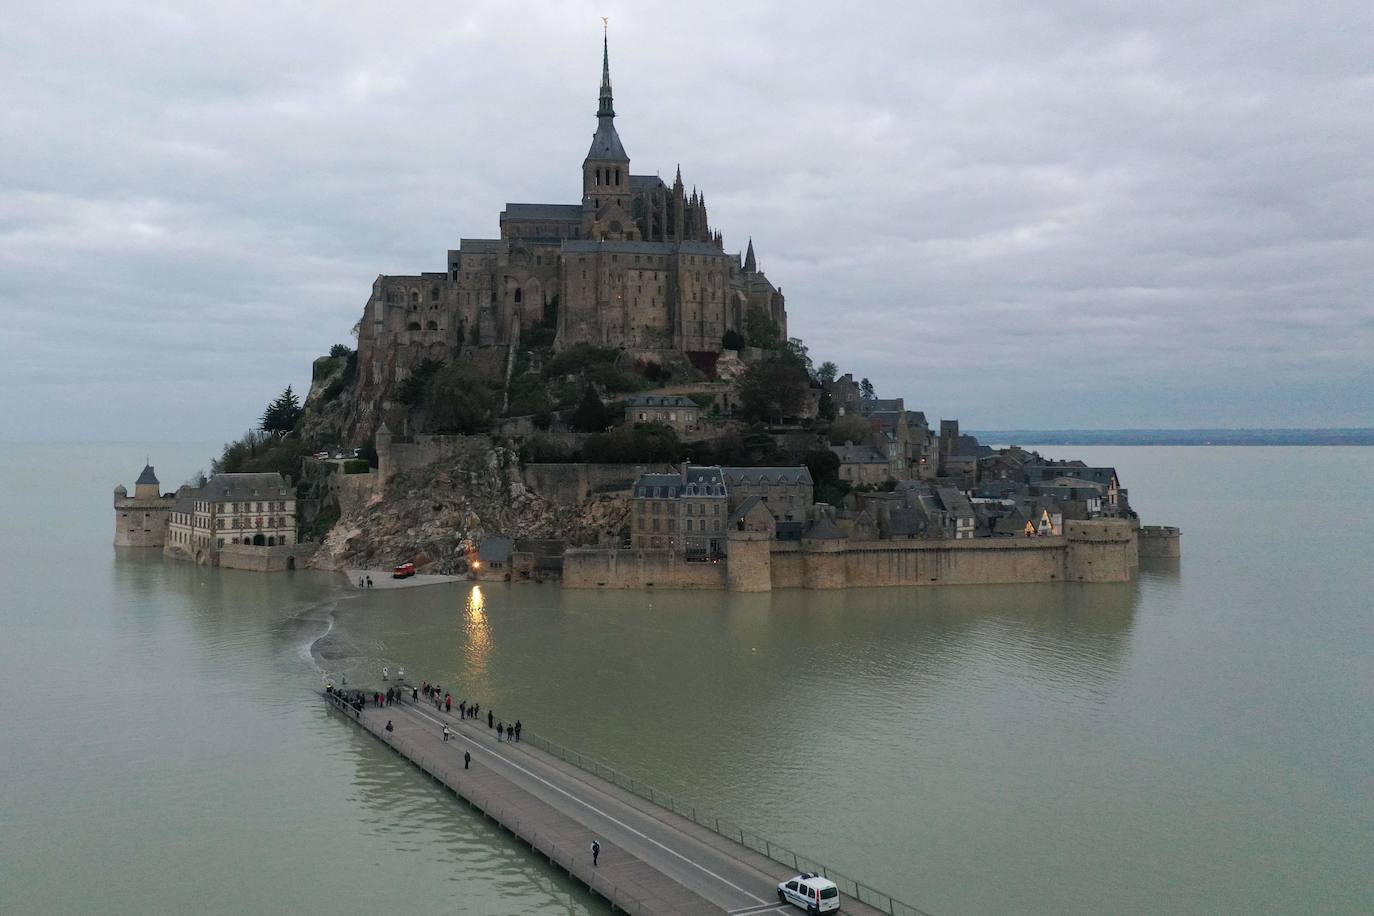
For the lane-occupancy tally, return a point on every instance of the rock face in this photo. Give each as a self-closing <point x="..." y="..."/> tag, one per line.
<point x="436" y="516"/>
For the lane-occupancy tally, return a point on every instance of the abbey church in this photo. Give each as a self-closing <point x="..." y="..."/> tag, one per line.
<point x="636" y="265"/>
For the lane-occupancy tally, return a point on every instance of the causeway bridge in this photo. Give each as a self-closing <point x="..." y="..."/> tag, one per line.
<point x="657" y="855"/>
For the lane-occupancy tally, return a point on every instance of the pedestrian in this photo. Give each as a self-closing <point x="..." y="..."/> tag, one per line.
<point x="389" y="726"/>
<point x="445" y="732"/>
<point x="467" y="759"/>
<point x="596" y="852"/>
<point x="414" y="695"/>
<point x="369" y="581"/>
<point x="360" y="582"/>
<point x="500" y="731"/>
<point x="489" y="718"/>
<point x="448" y="702"/>
<point x="518" y="729"/>
<point x="462" y="710"/>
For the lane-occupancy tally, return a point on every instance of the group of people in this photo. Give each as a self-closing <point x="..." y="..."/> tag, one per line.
<point x="443" y="700"/>
<point x="364" y="582"/>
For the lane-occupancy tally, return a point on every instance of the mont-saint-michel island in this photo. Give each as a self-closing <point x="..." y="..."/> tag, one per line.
<point x="607" y="395"/>
<point x="730" y="459"/>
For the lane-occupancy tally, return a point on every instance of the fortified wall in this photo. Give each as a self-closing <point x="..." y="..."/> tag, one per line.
<point x="1101" y="550"/>
<point x="265" y="559"/>
<point x="1159" y="542"/>
<point x="569" y="484"/>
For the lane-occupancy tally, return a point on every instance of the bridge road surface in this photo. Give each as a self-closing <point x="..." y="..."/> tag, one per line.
<point x="652" y="860"/>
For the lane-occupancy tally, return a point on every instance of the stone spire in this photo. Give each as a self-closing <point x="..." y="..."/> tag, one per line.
<point x="605" y="109"/>
<point x="750" y="265"/>
<point x="606" y="146"/>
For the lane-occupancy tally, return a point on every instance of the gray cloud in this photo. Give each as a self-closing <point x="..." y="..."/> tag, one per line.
<point x="1082" y="215"/>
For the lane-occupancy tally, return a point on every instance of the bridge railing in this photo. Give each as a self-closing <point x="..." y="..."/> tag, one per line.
<point x="728" y="829"/>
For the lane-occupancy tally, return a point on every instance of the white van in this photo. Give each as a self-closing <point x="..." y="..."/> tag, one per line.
<point x="811" y="892"/>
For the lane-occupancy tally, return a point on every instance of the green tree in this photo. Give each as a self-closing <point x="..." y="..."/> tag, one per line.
<point x="416" y="385"/>
<point x="733" y="340"/>
<point x="827" y="372"/>
<point x="866" y="390"/>
<point x="591" y="416"/>
<point x="762" y="331"/>
<point x="459" y="401"/>
<point x="849" y="428"/>
<point x="282" y="414"/>
<point x="772" y="390"/>
<point x="339" y="350"/>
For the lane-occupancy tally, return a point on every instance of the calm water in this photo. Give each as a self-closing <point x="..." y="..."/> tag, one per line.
<point x="1199" y="741"/>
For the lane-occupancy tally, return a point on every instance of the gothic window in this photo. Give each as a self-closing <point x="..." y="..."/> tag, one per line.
<point x="519" y="293"/>
<point x="415" y="296"/>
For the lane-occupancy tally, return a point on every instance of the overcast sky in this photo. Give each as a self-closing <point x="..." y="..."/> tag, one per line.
<point x="1084" y="214"/>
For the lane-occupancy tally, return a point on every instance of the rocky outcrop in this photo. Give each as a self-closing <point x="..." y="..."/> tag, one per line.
<point x="437" y="515"/>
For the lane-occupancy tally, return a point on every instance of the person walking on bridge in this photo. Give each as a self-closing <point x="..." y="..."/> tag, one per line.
<point x="518" y="729"/>
<point x="448" y="702"/>
<point x="596" y="851"/>
<point x="446" y="732"/>
<point x="500" y="730"/>
<point x="489" y="718"/>
<point x="467" y="759"/>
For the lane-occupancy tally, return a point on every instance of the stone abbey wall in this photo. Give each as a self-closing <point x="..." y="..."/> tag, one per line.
<point x="1102" y="550"/>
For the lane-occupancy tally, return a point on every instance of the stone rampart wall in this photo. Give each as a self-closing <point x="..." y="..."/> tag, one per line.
<point x="635" y="569"/>
<point x="353" y="491"/>
<point x="265" y="559"/>
<point x="1101" y="556"/>
<point x="570" y="484"/>
<point x="409" y="453"/>
<point x="981" y="561"/>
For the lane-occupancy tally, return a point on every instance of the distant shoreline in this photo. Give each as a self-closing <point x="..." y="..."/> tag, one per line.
<point x="1338" y="436"/>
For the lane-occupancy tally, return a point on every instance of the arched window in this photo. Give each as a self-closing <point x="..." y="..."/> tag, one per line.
<point x="413" y="326"/>
<point x="433" y="325"/>
<point x="415" y="296"/>
<point x="617" y="177"/>
<point x="519" y="294"/>
<point x="434" y="293"/>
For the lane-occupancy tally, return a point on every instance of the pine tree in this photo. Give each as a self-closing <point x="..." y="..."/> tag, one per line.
<point x="282" y="414"/>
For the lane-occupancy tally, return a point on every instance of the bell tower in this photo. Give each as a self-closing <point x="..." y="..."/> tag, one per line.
<point x="606" y="205"/>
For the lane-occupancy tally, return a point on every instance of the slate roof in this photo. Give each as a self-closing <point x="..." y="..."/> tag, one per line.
<point x="905" y="523"/>
<point x="858" y="454"/>
<point x="559" y="212"/>
<point x="706" y="476"/>
<point x="646" y="183"/>
<point x="1038" y="472"/>
<point x="658" y="400"/>
<point x="823" y="529"/>
<point x="955" y="503"/>
<point x="658" y="486"/>
<point x="483" y="246"/>
<point x="224" y="487"/>
<point x="755" y="476"/>
<point x="147" y="476"/>
<point x="606" y="143"/>
<point x="494" y="550"/>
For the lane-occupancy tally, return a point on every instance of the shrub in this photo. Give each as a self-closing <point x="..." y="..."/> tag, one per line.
<point x="356" y="466"/>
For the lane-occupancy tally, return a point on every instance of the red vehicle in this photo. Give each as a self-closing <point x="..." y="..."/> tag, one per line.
<point x="404" y="571"/>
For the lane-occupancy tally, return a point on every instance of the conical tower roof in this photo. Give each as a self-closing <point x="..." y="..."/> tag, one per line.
<point x="606" y="144"/>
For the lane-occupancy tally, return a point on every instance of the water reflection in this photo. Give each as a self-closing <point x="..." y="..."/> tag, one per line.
<point x="478" y="632"/>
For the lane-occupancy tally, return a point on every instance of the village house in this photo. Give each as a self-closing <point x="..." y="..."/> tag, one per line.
<point x="681" y="414"/>
<point x="684" y="512"/>
<point x="861" y="465"/>
<point x="786" y="492"/>
<point x="256" y="510"/>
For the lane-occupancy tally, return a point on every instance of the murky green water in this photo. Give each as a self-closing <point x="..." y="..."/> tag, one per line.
<point x="1199" y="741"/>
